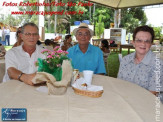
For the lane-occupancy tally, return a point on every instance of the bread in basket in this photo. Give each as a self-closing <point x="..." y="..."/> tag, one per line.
<point x="81" y="88"/>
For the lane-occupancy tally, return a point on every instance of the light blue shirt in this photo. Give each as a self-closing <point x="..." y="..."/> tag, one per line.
<point x="92" y="59"/>
<point x="147" y="74"/>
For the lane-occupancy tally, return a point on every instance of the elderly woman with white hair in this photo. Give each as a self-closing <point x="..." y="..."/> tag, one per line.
<point x="84" y="55"/>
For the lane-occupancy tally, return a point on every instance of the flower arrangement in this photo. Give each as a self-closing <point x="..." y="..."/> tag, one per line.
<point x="53" y="62"/>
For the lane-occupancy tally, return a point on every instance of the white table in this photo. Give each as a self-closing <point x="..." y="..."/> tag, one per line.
<point x="121" y="102"/>
<point x="2" y="68"/>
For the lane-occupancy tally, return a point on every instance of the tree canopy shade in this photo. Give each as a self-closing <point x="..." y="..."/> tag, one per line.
<point x="127" y="3"/>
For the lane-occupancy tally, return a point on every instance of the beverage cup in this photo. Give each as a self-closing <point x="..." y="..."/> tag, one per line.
<point x="75" y="75"/>
<point x="88" y="76"/>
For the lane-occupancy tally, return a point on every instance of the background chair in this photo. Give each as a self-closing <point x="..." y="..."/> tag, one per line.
<point x="120" y="57"/>
<point x="116" y="48"/>
<point x="96" y="42"/>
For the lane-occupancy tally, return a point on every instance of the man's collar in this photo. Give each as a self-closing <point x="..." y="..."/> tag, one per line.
<point x="21" y="46"/>
<point x="78" y="48"/>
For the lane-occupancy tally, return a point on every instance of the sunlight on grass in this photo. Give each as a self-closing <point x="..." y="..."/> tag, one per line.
<point x="113" y="62"/>
<point x="8" y="47"/>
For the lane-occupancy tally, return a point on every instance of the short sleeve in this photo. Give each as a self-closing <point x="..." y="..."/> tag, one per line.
<point x="10" y="60"/>
<point x="101" y="65"/>
<point x="121" y="68"/>
<point x="69" y="52"/>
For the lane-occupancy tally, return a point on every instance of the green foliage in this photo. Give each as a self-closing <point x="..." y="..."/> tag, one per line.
<point x="132" y="18"/>
<point x="64" y="31"/>
<point x="99" y="28"/>
<point x="27" y="17"/>
<point x="106" y="13"/>
<point x="78" y="17"/>
<point x="46" y="67"/>
<point x="157" y="31"/>
<point x="113" y="62"/>
<point x="11" y="20"/>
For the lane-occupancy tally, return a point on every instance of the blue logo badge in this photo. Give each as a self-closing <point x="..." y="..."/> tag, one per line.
<point x="14" y="114"/>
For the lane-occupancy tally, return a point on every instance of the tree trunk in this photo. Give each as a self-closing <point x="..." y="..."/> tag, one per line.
<point x="117" y="16"/>
<point x="94" y="8"/>
<point x="89" y="13"/>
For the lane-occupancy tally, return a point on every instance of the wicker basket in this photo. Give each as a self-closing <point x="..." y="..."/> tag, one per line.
<point x="94" y="94"/>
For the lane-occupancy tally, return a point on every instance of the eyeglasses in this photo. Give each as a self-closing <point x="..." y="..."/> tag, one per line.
<point x="82" y="34"/>
<point x="31" y="34"/>
<point x="141" y="41"/>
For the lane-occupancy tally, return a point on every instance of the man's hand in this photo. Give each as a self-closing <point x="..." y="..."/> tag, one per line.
<point x="27" y="78"/>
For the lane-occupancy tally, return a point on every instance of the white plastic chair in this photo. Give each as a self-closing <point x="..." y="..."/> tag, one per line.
<point x="120" y="57"/>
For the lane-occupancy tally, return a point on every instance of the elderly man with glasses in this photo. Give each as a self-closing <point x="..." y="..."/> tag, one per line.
<point x="20" y="60"/>
<point x="84" y="55"/>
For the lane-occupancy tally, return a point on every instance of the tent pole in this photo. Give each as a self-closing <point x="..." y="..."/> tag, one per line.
<point x="117" y="18"/>
<point x="41" y="22"/>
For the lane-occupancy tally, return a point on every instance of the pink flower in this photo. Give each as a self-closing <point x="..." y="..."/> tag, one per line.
<point x="65" y="52"/>
<point x="53" y="53"/>
<point x="45" y="50"/>
<point x="49" y="56"/>
<point x="54" y="56"/>
<point x="57" y="56"/>
<point x="59" y="51"/>
<point x="57" y="47"/>
<point x="58" y="65"/>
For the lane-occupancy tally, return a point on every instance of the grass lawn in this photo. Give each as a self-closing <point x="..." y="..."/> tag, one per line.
<point x="8" y="47"/>
<point x="113" y="62"/>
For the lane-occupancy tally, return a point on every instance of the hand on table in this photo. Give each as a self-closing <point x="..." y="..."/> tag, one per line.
<point x="27" y="78"/>
<point x="154" y="92"/>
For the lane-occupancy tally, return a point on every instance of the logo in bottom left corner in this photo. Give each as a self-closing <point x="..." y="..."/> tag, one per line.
<point x="14" y="114"/>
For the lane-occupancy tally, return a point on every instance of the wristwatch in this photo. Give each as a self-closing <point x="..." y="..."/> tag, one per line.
<point x="20" y="76"/>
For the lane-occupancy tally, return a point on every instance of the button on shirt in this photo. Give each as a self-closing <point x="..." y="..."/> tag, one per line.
<point x="92" y="59"/>
<point x="147" y="74"/>
<point x="21" y="60"/>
